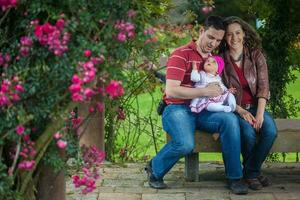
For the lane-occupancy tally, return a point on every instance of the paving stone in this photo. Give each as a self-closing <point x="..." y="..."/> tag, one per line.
<point x="136" y="190"/>
<point x="179" y="190"/>
<point x="122" y="182"/>
<point x="119" y="196"/>
<point x="204" y="184"/>
<point x="285" y="196"/>
<point x="209" y="194"/>
<point x="171" y="196"/>
<point x="253" y="196"/>
<point x="92" y="196"/>
<point x="104" y="189"/>
<point x="294" y="190"/>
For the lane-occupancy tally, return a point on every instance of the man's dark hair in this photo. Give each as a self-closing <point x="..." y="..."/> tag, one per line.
<point x="215" y="22"/>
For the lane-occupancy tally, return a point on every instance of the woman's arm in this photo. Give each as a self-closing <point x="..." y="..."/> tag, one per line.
<point x="261" y="105"/>
<point x="262" y="75"/>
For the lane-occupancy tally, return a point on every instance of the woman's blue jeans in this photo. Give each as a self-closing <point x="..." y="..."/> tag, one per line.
<point x="256" y="146"/>
<point x="180" y="123"/>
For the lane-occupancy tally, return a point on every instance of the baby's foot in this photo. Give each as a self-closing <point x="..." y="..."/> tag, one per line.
<point x="227" y="109"/>
<point x="193" y="109"/>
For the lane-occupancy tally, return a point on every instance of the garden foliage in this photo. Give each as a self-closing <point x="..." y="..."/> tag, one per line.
<point x="56" y="56"/>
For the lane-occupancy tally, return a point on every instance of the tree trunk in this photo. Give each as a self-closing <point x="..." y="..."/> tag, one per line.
<point x="51" y="185"/>
<point x="92" y="129"/>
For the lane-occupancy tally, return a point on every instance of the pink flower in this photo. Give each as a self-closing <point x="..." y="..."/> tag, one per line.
<point x="13" y="2"/>
<point x="20" y="129"/>
<point x="114" y="89"/>
<point x="16" y="97"/>
<point x="76" y="79"/>
<point x="7" y="57"/>
<point x="77" y="97"/>
<point x="57" y="136"/>
<point x="149" y="31"/>
<point x="121" y="114"/>
<point x="87" y="53"/>
<point x="38" y="31"/>
<point x="34" y="23"/>
<point x="60" y="24"/>
<point x="206" y="9"/>
<point x="91" y="109"/>
<point x="15" y="79"/>
<point x="4" y="88"/>
<point x="88" y="92"/>
<point x="26" y="41"/>
<point x="61" y="144"/>
<point x="76" y="122"/>
<point x="4" y="100"/>
<point x="131" y="34"/>
<point x="26" y="165"/>
<point x="131" y="13"/>
<point x="24" y="51"/>
<point x="2" y="60"/>
<point x="74" y="88"/>
<point x="19" y="88"/>
<point x="129" y="27"/>
<point x="121" y="37"/>
<point x="98" y="60"/>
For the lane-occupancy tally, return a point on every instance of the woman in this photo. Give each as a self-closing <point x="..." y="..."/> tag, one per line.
<point x="246" y="70"/>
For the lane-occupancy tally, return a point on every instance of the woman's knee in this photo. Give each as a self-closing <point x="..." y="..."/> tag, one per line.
<point x="248" y="136"/>
<point x="269" y="128"/>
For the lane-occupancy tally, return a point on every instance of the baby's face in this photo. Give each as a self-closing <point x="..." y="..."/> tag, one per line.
<point x="211" y="66"/>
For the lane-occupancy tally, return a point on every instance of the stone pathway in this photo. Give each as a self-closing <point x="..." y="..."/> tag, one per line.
<point x="129" y="182"/>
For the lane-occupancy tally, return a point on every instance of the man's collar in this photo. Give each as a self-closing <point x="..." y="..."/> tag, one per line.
<point x="193" y="45"/>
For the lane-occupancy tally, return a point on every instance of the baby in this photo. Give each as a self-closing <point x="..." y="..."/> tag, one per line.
<point x="213" y="68"/>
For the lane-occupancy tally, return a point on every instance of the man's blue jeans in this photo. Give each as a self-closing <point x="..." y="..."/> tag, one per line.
<point x="256" y="146"/>
<point x="180" y="123"/>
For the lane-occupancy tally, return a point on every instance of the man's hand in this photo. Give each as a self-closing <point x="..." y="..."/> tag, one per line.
<point x="213" y="89"/>
<point x="232" y="90"/>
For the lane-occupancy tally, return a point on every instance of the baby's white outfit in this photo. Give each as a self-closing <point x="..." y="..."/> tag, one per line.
<point x="224" y="102"/>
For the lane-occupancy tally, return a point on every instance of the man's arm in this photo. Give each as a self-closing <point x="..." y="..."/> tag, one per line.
<point x="174" y="90"/>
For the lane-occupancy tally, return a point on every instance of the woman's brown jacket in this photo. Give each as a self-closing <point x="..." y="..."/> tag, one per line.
<point x="255" y="72"/>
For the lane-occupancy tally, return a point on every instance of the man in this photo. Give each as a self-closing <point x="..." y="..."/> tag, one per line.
<point x="180" y="122"/>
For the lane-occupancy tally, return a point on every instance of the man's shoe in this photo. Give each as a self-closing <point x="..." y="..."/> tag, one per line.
<point x="254" y="183"/>
<point x="154" y="182"/>
<point x="264" y="181"/>
<point x="238" y="186"/>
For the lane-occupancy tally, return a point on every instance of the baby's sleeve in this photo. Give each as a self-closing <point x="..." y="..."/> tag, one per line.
<point x="195" y="76"/>
<point x="224" y="88"/>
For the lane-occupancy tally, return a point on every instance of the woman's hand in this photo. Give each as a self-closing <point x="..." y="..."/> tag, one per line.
<point x="246" y="115"/>
<point x="259" y="121"/>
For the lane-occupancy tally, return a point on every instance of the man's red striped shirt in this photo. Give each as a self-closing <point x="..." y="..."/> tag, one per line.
<point x="179" y="67"/>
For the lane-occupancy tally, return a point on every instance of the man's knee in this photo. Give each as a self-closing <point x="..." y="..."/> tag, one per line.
<point x="230" y="121"/>
<point x="185" y="148"/>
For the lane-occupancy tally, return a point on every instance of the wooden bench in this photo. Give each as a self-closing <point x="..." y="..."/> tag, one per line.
<point x="288" y="140"/>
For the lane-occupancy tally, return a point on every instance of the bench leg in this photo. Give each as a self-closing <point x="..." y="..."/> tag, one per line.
<point x="192" y="167"/>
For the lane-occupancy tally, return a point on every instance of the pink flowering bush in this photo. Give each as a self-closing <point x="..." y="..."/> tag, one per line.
<point x="52" y="61"/>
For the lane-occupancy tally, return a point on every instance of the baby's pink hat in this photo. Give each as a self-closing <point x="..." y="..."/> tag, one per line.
<point x="220" y="63"/>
